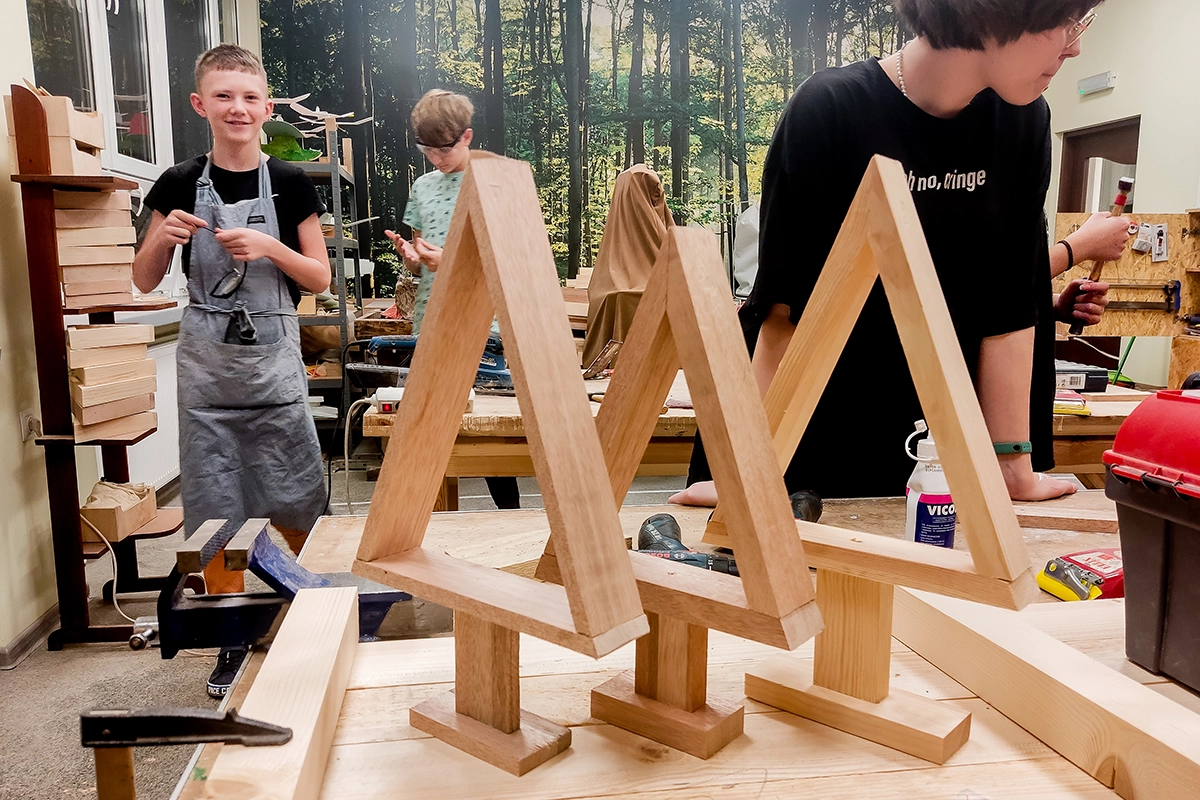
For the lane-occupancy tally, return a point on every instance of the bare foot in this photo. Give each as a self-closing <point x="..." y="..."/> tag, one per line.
<point x="1044" y="487"/>
<point x="701" y="493"/>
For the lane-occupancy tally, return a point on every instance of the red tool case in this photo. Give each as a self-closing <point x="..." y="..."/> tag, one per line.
<point x="1154" y="478"/>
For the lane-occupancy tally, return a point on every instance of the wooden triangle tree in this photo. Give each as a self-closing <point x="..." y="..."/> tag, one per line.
<point x="848" y="685"/>
<point x="685" y="317"/>
<point x="497" y="256"/>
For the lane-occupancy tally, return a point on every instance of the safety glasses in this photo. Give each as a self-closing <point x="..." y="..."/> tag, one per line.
<point x="1076" y="29"/>
<point x="439" y="149"/>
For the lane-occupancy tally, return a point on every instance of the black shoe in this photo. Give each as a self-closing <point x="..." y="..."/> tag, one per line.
<point x="229" y="661"/>
<point x="806" y="505"/>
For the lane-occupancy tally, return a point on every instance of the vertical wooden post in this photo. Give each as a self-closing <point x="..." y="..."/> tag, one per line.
<point x="665" y="698"/>
<point x="483" y="716"/>
<point x="486" y="684"/>
<point x="854" y="652"/>
<point x="114" y="773"/>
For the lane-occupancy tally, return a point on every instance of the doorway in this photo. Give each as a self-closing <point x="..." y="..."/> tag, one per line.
<point x="1114" y="142"/>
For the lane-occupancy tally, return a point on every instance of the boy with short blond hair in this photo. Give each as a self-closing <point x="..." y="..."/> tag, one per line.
<point x="248" y="226"/>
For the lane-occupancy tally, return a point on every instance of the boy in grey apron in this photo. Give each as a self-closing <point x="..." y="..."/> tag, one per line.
<point x="247" y="443"/>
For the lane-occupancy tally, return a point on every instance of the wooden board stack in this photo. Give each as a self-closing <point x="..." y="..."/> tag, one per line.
<point x="112" y="380"/>
<point x="95" y="247"/>
<point x="76" y="137"/>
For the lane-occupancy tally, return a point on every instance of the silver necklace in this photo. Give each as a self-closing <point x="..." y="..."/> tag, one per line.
<point x="900" y="69"/>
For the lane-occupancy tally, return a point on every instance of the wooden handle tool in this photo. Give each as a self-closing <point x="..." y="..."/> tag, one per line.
<point x="1124" y="187"/>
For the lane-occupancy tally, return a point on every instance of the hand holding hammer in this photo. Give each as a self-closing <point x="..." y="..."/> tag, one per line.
<point x="1124" y="187"/>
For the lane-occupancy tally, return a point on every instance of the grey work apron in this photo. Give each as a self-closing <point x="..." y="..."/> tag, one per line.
<point x="247" y="443"/>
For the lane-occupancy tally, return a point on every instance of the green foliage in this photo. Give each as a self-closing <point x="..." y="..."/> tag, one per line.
<point x="415" y="45"/>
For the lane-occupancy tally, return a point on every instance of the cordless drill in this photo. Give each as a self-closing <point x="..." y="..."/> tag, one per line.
<point x="659" y="537"/>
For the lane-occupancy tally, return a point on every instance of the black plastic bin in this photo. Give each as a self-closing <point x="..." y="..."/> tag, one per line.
<point x="1154" y="478"/>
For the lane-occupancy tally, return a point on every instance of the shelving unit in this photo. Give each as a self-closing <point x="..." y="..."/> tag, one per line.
<point x="335" y="175"/>
<point x="58" y="439"/>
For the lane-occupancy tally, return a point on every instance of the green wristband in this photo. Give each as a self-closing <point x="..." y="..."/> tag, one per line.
<point x="1012" y="448"/>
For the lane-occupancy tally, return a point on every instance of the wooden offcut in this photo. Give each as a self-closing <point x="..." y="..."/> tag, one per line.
<point x="300" y="686"/>
<point x="94" y="201"/>
<point x="91" y="273"/>
<point x="65" y="218"/>
<point x="114" y="410"/>
<point x="71" y="256"/>
<point x="85" y="337"/>
<point x="91" y="237"/>
<point x="91" y="395"/>
<point x="91" y="288"/>
<point x="105" y="354"/>
<point x="127" y="427"/>
<point x="1122" y="733"/>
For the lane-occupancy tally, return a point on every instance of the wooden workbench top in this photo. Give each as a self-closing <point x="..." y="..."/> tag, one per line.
<point x="496" y="415"/>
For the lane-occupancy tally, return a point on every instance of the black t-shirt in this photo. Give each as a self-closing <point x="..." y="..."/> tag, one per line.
<point x="296" y="197"/>
<point x="979" y="182"/>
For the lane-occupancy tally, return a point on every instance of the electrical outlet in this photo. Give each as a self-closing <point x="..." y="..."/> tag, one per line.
<point x="30" y="424"/>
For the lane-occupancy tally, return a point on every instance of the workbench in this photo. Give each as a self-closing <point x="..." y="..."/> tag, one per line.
<point x="491" y="440"/>
<point x="376" y="754"/>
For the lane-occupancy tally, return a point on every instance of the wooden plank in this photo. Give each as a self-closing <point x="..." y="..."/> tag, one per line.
<point x="730" y="412"/>
<point x="120" y="428"/>
<point x="114" y="771"/>
<point x="114" y="410"/>
<point x="300" y="686"/>
<point x="83" y="337"/>
<point x="81" y="292"/>
<point x="107" y="373"/>
<point x="78" y="303"/>
<point x="853" y="652"/>
<point x="198" y="549"/>
<point x="607" y="761"/>
<point x="95" y="201"/>
<point x="81" y="256"/>
<point x="91" y="237"/>
<point x="96" y="272"/>
<point x="1089" y="511"/>
<point x="1120" y="732"/>
<point x="237" y="552"/>
<point x="539" y="609"/>
<point x="940" y="375"/>
<point x="486" y="673"/>
<point x="65" y="218"/>
<point x="88" y="395"/>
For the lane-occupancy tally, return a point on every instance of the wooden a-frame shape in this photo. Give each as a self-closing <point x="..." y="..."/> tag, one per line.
<point x="847" y="686"/>
<point x="685" y="317"/>
<point x="497" y="256"/>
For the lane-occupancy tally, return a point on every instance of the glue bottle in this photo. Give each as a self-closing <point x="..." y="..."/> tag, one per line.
<point x="931" y="517"/>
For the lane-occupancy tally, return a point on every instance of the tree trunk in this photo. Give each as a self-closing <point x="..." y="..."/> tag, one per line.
<point x="635" y="131"/>
<point x="739" y="101"/>
<point x="408" y="90"/>
<point x="819" y="35"/>
<point x="839" y="35"/>
<point x="572" y="62"/>
<point x="799" y="12"/>
<point x="479" y="28"/>
<point x="354" y="88"/>
<point x="493" y="80"/>
<point x="659" y="139"/>
<point x="726" y="150"/>
<point x="585" y="68"/>
<point x="680" y="98"/>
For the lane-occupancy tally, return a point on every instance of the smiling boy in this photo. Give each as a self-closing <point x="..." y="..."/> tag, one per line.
<point x="248" y="226"/>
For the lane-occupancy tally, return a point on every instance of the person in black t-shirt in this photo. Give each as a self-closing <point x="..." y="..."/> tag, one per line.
<point x="960" y="108"/>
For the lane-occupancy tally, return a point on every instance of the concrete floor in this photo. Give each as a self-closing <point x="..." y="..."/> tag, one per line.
<point x="40" y="755"/>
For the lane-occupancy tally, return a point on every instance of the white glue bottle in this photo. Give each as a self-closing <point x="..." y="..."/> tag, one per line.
<point x="931" y="517"/>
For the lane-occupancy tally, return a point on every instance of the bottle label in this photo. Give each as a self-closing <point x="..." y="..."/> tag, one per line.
<point x="935" y="519"/>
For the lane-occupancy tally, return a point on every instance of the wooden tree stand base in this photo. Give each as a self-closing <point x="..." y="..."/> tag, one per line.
<point x="483" y="716"/>
<point x="848" y="685"/>
<point x="665" y="698"/>
<point x="536" y="741"/>
<point x="903" y="721"/>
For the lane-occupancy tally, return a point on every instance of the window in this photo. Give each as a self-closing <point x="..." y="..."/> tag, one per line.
<point x="62" y="58"/>
<point x="129" y="63"/>
<point x="188" y="35"/>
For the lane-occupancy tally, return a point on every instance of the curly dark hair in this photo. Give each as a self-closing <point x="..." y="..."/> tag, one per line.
<point x="968" y="24"/>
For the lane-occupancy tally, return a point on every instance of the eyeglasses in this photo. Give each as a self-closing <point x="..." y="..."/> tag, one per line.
<point x="439" y="149"/>
<point x="1076" y="29"/>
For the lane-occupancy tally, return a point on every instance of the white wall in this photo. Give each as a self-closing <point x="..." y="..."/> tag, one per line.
<point x="1154" y="48"/>
<point x="26" y="559"/>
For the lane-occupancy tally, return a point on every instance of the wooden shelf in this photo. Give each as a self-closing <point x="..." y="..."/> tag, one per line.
<point x="155" y="304"/>
<point x="124" y="441"/>
<point x="101" y="183"/>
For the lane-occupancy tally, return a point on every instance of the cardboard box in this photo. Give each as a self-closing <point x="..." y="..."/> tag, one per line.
<point x="103" y="510"/>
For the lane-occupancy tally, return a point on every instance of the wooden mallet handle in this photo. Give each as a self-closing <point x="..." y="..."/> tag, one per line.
<point x="1124" y="187"/>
